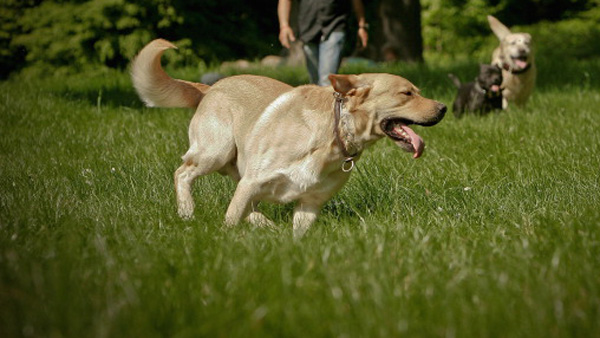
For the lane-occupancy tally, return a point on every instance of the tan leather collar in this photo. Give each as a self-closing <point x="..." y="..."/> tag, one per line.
<point x="348" y="163"/>
<point x="506" y="67"/>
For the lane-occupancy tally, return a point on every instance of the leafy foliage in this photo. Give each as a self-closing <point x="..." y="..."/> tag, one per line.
<point x="577" y="37"/>
<point x="67" y="34"/>
<point x="11" y="56"/>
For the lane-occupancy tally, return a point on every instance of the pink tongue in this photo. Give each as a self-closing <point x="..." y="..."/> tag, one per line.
<point x="521" y="64"/>
<point x="495" y="88"/>
<point x="415" y="140"/>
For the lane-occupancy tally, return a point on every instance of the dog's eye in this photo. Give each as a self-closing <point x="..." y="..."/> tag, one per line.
<point x="407" y="93"/>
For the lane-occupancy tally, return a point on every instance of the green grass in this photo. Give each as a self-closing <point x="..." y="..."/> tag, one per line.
<point x="495" y="232"/>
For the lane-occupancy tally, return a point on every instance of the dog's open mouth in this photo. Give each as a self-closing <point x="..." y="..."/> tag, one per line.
<point x="397" y="129"/>
<point x="520" y="62"/>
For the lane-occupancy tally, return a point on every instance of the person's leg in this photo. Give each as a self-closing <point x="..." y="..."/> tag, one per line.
<point x="311" y="52"/>
<point x="330" y="56"/>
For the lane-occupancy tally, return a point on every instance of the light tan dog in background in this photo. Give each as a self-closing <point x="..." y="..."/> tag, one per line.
<point x="515" y="57"/>
<point x="282" y="144"/>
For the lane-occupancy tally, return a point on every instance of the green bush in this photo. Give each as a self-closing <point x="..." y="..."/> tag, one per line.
<point x="73" y="34"/>
<point x="66" y="35"/>
<point x="577" y="37"/>
<point x="11" y="56"/>
<point x="453" y="28"/>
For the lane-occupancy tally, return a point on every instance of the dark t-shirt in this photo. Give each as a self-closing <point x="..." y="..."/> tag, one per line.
<point x="318" y="18"/>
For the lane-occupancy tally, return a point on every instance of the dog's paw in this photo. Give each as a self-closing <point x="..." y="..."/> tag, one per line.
<point x="259" y="220"/>
<point x="186" y="211"/>
<point x="299" y="232"/>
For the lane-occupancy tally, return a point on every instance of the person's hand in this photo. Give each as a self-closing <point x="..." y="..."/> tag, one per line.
<point x="363" y="36"/>
<point x="286" y="35"/>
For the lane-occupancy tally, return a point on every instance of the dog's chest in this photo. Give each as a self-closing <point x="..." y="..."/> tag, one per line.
<point x="301" y="181"/>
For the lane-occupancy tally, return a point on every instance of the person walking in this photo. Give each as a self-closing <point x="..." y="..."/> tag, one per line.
<point x="322" y="28"/>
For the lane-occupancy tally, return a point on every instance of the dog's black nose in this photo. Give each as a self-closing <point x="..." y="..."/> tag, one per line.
<point x="442" y="109"/>
<point x="439" y="112"/>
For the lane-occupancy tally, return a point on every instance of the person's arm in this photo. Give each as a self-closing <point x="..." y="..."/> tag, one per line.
<point x="286" y="34"/>
<point x="359" y="10"/>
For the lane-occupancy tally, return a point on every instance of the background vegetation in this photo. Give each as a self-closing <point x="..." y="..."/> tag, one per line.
<point x="71" y="35"/>
<point x="495" y="232"/>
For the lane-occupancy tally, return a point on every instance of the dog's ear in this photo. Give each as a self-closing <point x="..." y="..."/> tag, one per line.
<point x="344" y="84"/>
<point x="498" y="27"/>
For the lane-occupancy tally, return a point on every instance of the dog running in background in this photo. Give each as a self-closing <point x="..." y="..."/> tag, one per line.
<point x="480" y="96"/>
<point x="516" y="58"/>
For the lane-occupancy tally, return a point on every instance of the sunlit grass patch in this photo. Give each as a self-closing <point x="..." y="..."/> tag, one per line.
<point x="495" y="231"/>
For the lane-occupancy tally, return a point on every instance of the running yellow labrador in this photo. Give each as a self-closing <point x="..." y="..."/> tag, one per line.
<point x="515" y="57"/>
<point x="282" y="144"/>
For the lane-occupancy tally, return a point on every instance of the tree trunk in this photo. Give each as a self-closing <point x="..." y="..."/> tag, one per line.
<point x="396" y="34"/>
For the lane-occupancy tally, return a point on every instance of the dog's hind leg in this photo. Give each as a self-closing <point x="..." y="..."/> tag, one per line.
<point x="197" y="163"/>
<point x="184" y="177"/>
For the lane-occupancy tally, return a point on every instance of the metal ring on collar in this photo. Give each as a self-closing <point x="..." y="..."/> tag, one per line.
<point x="345" y="168"/>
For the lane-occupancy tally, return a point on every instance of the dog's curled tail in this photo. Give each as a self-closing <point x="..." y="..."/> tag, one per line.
<point x="155" y="87"/>
<point x="454" y="79"/>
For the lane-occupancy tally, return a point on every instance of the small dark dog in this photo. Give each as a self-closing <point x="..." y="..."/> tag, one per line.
<point x="481" y="96"/>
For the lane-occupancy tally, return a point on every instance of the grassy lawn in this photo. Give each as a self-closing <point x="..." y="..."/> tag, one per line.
<point x="495" y="232"/>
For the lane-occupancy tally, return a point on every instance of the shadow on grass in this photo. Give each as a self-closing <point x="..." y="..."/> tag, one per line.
<point x="116" y="90"/>
<point x="109" y="97"/>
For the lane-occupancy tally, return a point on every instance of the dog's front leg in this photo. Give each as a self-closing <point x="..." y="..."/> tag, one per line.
<point x="305" y="215"/>
<point x="239" y="207"/>
<point x="504" y="103"/>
